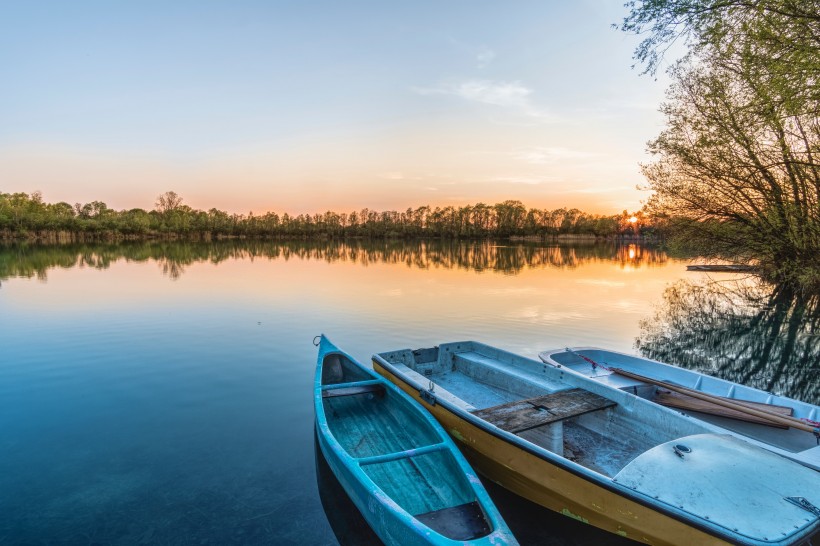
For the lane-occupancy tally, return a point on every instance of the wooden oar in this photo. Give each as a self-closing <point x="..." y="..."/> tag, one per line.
<point x="720" y="401"/>
<point x="686" y="402"/>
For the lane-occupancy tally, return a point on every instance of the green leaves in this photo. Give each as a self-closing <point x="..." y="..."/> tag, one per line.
<point x="738" y="160"/>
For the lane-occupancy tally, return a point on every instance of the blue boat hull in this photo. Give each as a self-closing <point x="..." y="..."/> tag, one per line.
<point x="378" y="512"/>
<point x="396" y="463"/>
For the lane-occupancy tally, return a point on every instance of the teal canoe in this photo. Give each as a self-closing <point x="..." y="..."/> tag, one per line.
<point x="397" y="464"/>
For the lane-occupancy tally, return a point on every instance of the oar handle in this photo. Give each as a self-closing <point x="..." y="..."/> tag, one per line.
<point x="720" y="401"/>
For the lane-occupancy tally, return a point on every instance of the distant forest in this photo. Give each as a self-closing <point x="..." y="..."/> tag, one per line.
<point x="27" y="216"/>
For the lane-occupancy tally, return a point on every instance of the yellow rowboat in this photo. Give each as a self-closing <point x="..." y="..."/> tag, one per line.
<point x="604" y="456"/>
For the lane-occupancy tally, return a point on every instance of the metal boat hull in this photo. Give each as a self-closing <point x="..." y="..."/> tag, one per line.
<point x="560" y="490"/>
<point x="453" y="381"/>
<point x="595" y="364"/>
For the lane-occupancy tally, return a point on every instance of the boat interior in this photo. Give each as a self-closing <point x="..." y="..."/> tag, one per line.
<point x="595" y="427"/>
<point x="399" y="450"/>
<point x="782" y="437"/>
<point x="608" y="432"/>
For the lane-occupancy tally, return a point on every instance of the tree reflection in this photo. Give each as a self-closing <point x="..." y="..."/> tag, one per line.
<point x="759" y="335"/>
<point x="25" y="260"/>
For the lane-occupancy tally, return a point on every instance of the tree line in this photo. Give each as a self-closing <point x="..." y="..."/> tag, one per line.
<point x="25" y="215"/>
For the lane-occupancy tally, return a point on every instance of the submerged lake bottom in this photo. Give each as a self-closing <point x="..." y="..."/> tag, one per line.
<point x="161" y="393"/>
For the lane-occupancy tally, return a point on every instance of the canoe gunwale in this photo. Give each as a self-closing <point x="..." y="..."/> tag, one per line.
<point x="587" y="474"/>
<point x="335" y="453"/>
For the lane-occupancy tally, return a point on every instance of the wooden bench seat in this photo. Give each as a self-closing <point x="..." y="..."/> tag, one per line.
<point x="530" y="413"/>
<point x="492" y="371"/>
<point x="463" y="523"/>
<point x="350" y="391"/>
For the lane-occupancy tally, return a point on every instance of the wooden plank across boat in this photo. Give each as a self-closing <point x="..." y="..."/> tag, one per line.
<point x="396" y="463"/>
<point x="605" y="456"/>
<point x="521" y="415"/>
<point x="779" y="424"/>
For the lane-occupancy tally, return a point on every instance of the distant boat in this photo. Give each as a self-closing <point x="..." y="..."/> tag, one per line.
<point x="399" y="467"/>
<point x="730" y="407"/>
<point x="604" y="456"/>
<point x="729" y="268"/>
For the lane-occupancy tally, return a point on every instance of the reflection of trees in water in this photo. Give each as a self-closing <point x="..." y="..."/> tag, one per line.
<point x="754" y="334"/>
<point x="638" y="255"/>
<point x="172" y="257"/>
<point x="171" y="268"/>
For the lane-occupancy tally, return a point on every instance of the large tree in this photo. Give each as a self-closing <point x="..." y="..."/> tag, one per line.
<point x="738" y="166"/>
<point x="168" y="202"/>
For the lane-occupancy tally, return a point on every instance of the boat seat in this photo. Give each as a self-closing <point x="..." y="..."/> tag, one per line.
<point x="490" y="370"/>
<point x="462" y="522"/>
<point x="529" y="413"/>
<point x="396" y="455"/>
<point x="540" y="420"/>
<point x="352" y="390"/>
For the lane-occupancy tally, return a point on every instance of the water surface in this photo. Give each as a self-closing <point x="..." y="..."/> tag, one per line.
<point x="160" y="393"/>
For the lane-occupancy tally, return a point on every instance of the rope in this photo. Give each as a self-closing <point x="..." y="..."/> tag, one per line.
<point x="816" y="425"/>
<point x="595" y="365"/>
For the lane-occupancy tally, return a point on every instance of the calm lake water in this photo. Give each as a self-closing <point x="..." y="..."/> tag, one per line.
<point x="162" y="393"/>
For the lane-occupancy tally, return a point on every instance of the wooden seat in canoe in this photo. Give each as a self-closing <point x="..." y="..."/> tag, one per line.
<point x="530" y="413"/>
<point x="462" y="522"/>
<point x="353" y="390"/>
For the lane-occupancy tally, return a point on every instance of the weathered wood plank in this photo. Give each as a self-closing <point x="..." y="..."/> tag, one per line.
<point x="738" y="268"/>
<point x="534" y="412"/>
<point x="685" y="402"/>
<point x="464" y="522"/>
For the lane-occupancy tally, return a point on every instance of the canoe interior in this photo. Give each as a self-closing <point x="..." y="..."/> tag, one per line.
<point x="427" y="484"/>
<point x="603" y="437"/>
<point x="337" y="368"/>
<point x="789" y="440"/>
<point x="382" y="432"/>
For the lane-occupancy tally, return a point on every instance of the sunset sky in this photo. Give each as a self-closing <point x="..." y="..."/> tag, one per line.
<point x="316" y="105"/>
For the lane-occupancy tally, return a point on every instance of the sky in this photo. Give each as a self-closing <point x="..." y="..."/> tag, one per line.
<point x="308" y="106"/>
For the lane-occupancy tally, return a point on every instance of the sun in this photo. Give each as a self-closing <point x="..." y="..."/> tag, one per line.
<point x="633" y="219"/>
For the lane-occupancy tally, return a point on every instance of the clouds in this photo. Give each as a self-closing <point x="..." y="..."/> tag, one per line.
<point x="394" y="175"/>
<point x="525" y="180"/>
<point x="512" y="96"/>
<point x="549" y="155"/>
<point x="484" y="57"/>
<point x="504" y="94"/>
<point x="303" y="110"/>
